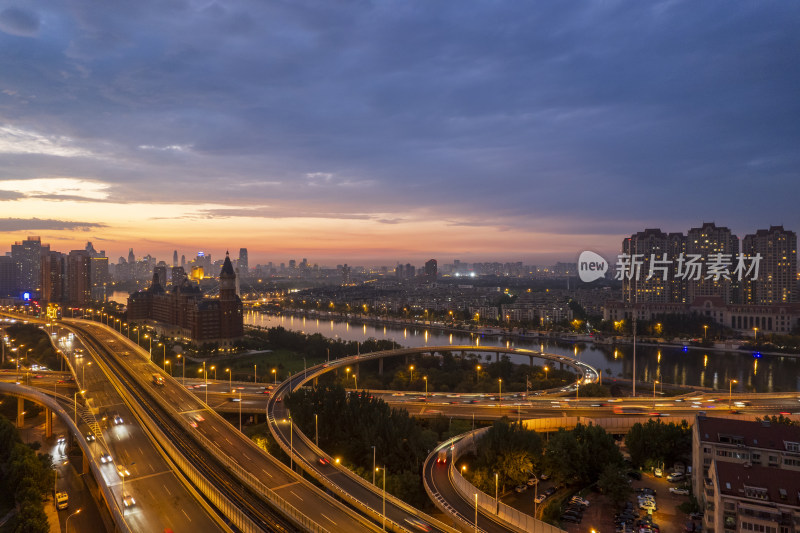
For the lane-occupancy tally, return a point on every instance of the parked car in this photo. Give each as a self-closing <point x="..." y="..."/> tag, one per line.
<point x="679" y="490"/>
<point x="540" y="498"/>
<point x="658" y="472"/>
<point x="674" y="477"/>
<point x="521" y="488"/>
<point x="570" y="518"/>
<point x="580" y="500"/>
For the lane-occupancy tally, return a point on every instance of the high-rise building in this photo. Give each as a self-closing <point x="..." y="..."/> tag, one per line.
<point x="131" y="257"/>
<point x="183" y="261"/>
<point x="98" y="274"/>
<point x="160" y="271"/>
<point x="657" y="251"/>
<point x="243" y="263"/>
<point x="431" y="270"/>
<point x="777" y="274"/>
<point x="8" y="276"/>
<point x="54" y="275"/>
<point x="27" y="256"/>
<point x="175" y="258"/>
<point x="704" y="241"/>
<point x="79" y="286"/>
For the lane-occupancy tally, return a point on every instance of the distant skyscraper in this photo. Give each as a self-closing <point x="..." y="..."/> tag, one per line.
<point x="345" y="271"/>
<point x="79" y="287"/>
<point x="706" y="240"/>
<point x="8" y="276"/>
<point x="160" y="273"/>
<point x="243" y="261"/>
<point x="27" y="256"/>
<point x="98" y="275"/>
<point x="431" y="270"/>
<point x="183" y="261"/>
<point x="131" y="257"/>
<point x="777" y="274"/>
<point x="175" y="258"/>
<point x="54" y="272"/>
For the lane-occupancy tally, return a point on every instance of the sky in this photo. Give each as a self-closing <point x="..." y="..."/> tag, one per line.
<point x="375" y="132"/>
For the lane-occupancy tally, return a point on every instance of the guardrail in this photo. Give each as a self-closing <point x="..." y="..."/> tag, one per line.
<point x="54" y="406"/>
<point x="239" y="471"/>
<point x="507" y="515"/>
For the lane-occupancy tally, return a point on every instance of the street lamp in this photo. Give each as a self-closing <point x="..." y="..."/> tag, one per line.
<point x="535" y="493"/>
<point x="546" y="370"/>
<point x="656" y="382"/>
<point x="477" y="374"/>
<point x="66" y="523"/>
<point x="240" y="412"/>
<point x="316" y="434"/>
<point x="411" y="376"/>
<point x="426" y="387"/>
<point x="373" y="463"/>
<point x="255" y="374"/>
<point x="730" y="392"/>
<point x="275" y="376"/>
<point x="500" y="390"/>
<point x="164" y="344"/>
<point x="755" y="334"/>
<point x="705" y="331"/>
<point x="183" y="369"/>
<point x="384" y="495"/>
<point x="75" y="404"/>
<point x="496" y="493"/>
<point x="214" y="368"/>
<point x="167" y="362"/>
<point x="230" y="380"/>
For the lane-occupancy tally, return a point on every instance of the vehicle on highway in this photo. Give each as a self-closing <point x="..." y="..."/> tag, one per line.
<point x="235" y="399"/>
<point x="417" y="524"/>
<point x="158" y="379"/>
<point x="106" y="458"/>
<point x="123" y="471"/>
<point x="62" y="500"/>
<point x="630" y="409"/>
<point x="62" y="439"/>
<point x="679" y="490"/>
<point x="90" y="437"/>
<point x="117" y="420"/>
<point x="441" y="457"/>
<point x="128" y="501"/>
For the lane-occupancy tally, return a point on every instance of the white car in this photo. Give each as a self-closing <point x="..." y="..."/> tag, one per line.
<point x="658" y="472"/>
<point x="128" y="500"/>
<point x="540" y="498"/>
<point x="105" y="458"/>
<point x="648" y="505"/>
<point x="679" y="491"/>
<point x="578" y="499"/>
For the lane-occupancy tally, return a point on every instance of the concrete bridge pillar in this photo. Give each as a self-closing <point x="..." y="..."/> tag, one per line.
<point x="562" y="366"/>
<point x="20" y="412"/>
<point x="48" y="423"/>
<point x="496" y="357"/>
<point x="316" y="381"/>
<point x="85" y="465"/>
<point x="531" y="358"/>
<point x="380" y="366"/>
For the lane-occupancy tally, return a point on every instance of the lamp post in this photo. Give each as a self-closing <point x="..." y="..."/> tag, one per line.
<point x="167" y="362"/>
<point x="500" y="390"/>
<point x="755" y="334"/>
<point x="546" y="370"/>
<point x="75" y="404"/>
<point x="705" y="331"/>
<point x="214" y="368"/>
<point x="411" y="376"/>
<point x="535" y="493"/>
<point x="183" y="369"/>
<point x="66" y="523"/>
<point x="316" y="434"/>
<point x="164" y="344"/>
<point x="476" y="511"/>
<point x="83" y="373"/>
<point x="426" y="387"/>
<point x="255" y="374"/>
<point x="730" y="392"/>
<point x="496" y="493"/>
<point x="384" y="495"/>
<point x="656" y="382"/>
<point x="275" y="376"/>
<point x="373" y="464"/>
<point x="240" y="411"/>
<point x="230" y="380"/>
<point x="477" y="374"/>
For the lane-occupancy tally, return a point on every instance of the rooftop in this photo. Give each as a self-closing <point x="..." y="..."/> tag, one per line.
<point x="754" y="434"/>
<point x="759" y="483"/>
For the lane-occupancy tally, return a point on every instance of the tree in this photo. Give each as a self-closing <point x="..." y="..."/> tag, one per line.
<point x="655" y="443"/>
<point x="515" y="466"/>
<point x="613" y="482"/>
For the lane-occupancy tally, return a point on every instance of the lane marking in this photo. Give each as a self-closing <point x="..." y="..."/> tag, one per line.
<point x="296" y="496"/>
<point x="328" y="519"/>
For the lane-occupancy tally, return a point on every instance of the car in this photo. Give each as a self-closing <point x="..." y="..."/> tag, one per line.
<point x="62" y="439"/>
<point x="235" y="399"/>
<point x="679" y="491"/>
<point x="90" y="437"/>
<point x="106" y="458"/>
<point x="544" y="477"/>
<point x="324" y="461"/>
<point x="532" y="481"/>
<point x="417" y="524"/>
<point x="128" y="501"/>
<point x="62" y="500"/>
<point x="572" y="512"/>
<point x="580" y="500"/>
<point x="648" y="506"/>
<point x="658" y="472"/>
<point x="675" y="477"/>
<point x="123" y="471"/>
<point x="117" y="420"/>
<point x="550" y="491"/>
<point x="540" y="498"/>
<point x="570" y="518"/>
<point x="646" y="490"/>
<point x="521" y="488"/>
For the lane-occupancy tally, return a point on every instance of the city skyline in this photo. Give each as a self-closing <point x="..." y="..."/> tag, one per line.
<point x="378" y="133"/>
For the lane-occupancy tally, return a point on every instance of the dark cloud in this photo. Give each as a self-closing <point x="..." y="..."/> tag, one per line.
<point x="22" y="224"/>
<point x="20" y="22"/>
<point x="571" y="115"/>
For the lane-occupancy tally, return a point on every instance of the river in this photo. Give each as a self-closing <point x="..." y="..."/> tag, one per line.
<point x="667" y="365"/>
